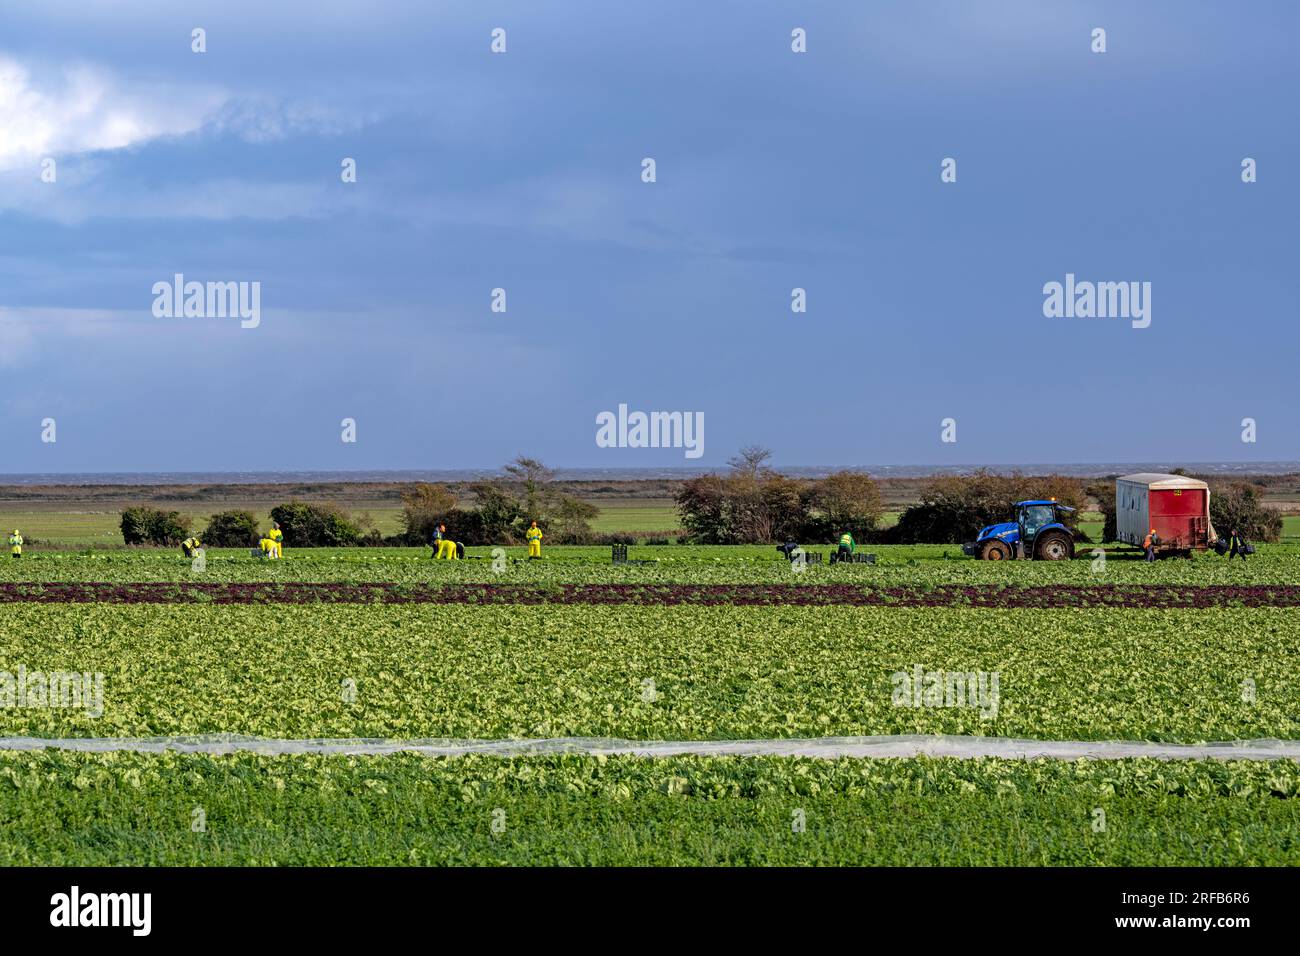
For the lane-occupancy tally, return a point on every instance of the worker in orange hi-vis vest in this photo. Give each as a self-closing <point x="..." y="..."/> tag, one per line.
<point x="1149" y="544"/>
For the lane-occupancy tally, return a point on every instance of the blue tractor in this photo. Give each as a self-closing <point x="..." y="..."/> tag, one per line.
<point x="1037" y="533"/>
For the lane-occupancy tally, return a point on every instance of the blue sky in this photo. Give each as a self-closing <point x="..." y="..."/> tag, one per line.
<point x="522" y="170"/>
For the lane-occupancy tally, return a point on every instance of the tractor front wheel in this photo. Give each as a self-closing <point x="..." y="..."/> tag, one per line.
<point x="995" y="551"/>
<point x="1055" y="546"/>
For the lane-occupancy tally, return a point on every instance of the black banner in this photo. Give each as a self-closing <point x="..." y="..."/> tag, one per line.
<point x="334" y="906"/>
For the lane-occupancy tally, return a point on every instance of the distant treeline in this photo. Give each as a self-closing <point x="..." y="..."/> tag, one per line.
<point x="754" y="504"/>
<point x="749" y="504"/>
<point x="502" y="510"/>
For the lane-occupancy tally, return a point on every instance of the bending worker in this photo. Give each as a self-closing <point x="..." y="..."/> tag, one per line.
<point x="277" y="538"/>
<point x="191" y="545"/>
<point x="847" y="547"/>
<point x="16" y="544"/>
<point x="534" y="536"/>
<point x="268" y="548"/>
<point x="446" y="547"/>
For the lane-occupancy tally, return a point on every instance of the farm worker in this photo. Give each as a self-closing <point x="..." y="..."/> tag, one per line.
<point x="846" y="546"/>
<point x="16" y="544"/>
<point x="190" y="545"/>
<point x="534" y="536"/>
<point x="1237" y="545"/>
<point x="268" y="547"/>
<point x="277" y="539"/>
<point x="1149" y="544"/>
<point x="436" y="540"/>
<point x="446" y="547"/>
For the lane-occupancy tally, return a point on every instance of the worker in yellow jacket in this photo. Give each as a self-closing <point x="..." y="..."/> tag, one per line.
<point x="16" y="544"/>
<point x="268" y="548"/>
<point x="534" y="536"/>
<point x="446" y="547"/>
<point x="277" y="539"/>
<point x="190" y="546"/>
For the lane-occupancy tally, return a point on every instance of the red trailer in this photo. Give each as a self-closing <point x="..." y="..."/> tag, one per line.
<point x="1178" y="508"/>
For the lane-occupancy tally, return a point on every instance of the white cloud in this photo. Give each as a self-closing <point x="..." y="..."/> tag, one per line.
<point x="23" y="329"/>
<point x="86" y="109"/>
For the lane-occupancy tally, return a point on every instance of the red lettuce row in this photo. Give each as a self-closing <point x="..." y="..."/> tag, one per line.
<point x="947" y="595"/>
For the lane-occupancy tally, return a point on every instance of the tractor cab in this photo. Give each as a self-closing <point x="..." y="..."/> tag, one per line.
<point x="1038" y="532"/>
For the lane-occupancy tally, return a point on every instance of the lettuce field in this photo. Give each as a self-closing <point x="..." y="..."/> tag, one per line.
<point x="704" y="644"/>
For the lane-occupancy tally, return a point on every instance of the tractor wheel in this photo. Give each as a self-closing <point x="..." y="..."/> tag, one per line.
<point x="995" y="551"/>
<point x="1055" y="546"/>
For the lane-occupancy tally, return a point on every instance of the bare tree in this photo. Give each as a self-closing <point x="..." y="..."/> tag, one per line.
<point x="750" y="461"/>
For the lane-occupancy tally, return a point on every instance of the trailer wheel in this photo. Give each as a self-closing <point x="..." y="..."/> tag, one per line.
<point x="995" y="551"/>
<point x="1055" y="546"/>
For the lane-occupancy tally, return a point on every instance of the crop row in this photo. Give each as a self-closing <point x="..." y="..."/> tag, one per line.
<point x="657" y="673"/>
<point x="84" y="809"/>
<point x="760" y="595"/>
<point x="920" y="566"/>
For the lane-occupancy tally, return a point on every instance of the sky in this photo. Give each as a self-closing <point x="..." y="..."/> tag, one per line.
<point x="523" y="171"/>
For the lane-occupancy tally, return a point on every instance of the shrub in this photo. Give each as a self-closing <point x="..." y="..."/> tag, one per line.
<point x="135" y="525"/>
<point x="144" y="525"/>
<point x="230" y="529"/>
<point x="569" y="521"/>
<point x="466" y="526"/>
<point x="423" y="508"/>
<point x="533" y="480"/>
<point x="705" y="510"/>
<point x="843" y="501"/>
<point x="498" y="513"/>
<point x="954" y="508"/>
<point x="749" y="506"/>
<point x="315" y="526"/>
<point x="617" y="537"/>
<point x="1241" y="506"/>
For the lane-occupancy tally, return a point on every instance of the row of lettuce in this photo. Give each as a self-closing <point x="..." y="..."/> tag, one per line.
<point x="184" y="809"/>
<point x="684" y="672"/>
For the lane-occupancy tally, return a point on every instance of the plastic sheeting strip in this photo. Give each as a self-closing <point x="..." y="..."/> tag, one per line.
<point x="911" y="745"/>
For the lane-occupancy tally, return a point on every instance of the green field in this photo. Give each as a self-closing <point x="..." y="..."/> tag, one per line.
<point x="896" y="564"/>
<point x="720" y="673"/>
<point x="511" y="671"/>
<point x="172" y="809"/>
